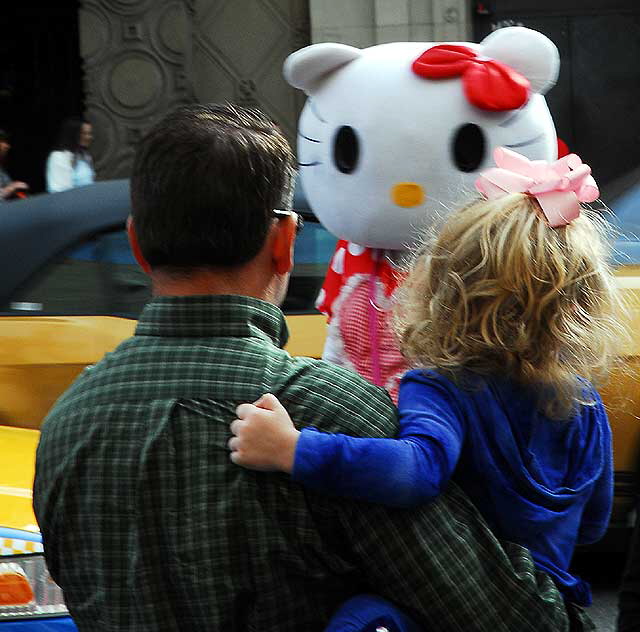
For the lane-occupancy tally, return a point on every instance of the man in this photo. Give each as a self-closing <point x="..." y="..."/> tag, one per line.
<point x="147" y="524"/>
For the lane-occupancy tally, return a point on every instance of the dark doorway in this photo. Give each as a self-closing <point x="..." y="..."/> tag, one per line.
<point x="40" y="80"/>
<point x="595" y="102"/>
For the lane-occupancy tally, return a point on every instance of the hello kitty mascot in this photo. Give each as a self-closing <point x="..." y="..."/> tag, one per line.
<point x="390" y="137"/>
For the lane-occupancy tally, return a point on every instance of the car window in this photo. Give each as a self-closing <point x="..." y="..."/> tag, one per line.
<point x="97" y="277"/>
<point x="100" y="277"/>
<point x="313" y="251"/>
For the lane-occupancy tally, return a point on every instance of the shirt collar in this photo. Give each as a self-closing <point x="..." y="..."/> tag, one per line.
<point x="212" y="317"/>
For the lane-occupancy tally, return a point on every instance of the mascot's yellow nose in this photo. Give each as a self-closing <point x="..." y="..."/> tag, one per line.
<point x="407" y="194"/>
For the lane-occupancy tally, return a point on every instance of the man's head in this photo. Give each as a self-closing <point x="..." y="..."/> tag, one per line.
<point x="205" y="181"/>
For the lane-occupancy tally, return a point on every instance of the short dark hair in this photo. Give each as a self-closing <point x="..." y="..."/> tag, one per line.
<point x="205" y="180"/>
<point x="69" y="134"/>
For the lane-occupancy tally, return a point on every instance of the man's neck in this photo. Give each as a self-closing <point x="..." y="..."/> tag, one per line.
<point x="204" y="281"/>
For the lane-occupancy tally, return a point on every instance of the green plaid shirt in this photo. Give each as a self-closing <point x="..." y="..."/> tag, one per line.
<point x="147" y="524"/>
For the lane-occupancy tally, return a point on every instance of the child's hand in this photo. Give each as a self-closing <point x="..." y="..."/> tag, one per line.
<point x="264" y="436"/>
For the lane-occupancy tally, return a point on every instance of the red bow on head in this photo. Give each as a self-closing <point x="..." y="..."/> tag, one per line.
<point x="488" y="84"/>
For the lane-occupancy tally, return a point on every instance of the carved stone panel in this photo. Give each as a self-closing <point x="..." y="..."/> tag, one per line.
<point x="136" y="55"/>
<point x="142" y="58"/>
<point x="364" y="23"/>
<point x="239" y="47"/>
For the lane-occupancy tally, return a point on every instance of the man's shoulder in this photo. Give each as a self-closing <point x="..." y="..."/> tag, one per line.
<point x="314" y="391"/>
<point x="340" y="374"/>
<point x="97" y="383"/>
<point x="336" y="399"/>
<point x="335" y="378"/>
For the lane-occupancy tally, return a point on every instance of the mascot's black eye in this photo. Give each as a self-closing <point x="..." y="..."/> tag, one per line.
<point x="346" y="149"/>
<point x="469" y="146"/>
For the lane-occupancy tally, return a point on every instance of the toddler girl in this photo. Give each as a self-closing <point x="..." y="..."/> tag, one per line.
<point x="509" y="314"/>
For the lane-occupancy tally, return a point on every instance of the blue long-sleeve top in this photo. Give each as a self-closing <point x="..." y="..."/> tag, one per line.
<point x="542" y="483"/>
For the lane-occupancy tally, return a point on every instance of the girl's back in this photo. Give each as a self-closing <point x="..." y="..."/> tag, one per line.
<point x="542" y="483"/>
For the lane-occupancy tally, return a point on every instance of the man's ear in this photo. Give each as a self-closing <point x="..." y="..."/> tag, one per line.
<point x="135" y="246"/>
<point x="282" y="245"/>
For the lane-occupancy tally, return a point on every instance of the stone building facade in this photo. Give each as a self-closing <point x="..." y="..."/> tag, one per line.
<point x="142" y="58"/>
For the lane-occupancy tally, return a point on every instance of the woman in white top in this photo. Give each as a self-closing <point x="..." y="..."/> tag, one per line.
<point x="70" y="165"/>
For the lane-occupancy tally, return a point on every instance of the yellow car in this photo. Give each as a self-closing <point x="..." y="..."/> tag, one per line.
<point x="71" y="291"/>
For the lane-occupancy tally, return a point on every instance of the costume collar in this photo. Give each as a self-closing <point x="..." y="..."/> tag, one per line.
<point x="351" y="260"/>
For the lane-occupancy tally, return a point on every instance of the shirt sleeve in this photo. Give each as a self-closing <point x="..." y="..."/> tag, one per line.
<point x="444" y="567"/>
<point x="59" y="172"/>
<point x="597" y="511"/>
<point x="402" y="472"/>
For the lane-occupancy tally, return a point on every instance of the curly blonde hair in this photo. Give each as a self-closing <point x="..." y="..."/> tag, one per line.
<point x="500" y="292"/>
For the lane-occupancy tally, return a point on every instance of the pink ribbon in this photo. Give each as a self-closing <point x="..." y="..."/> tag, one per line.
<point x="558" y="186"/>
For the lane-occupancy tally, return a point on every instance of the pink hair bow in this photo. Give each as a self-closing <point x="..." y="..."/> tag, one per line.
<point x="558" y="186"/>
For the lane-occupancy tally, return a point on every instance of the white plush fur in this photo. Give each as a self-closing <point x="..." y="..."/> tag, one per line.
<point x="405" y="125"/>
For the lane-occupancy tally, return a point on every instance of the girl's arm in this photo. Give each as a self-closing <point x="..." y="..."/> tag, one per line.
<point x="405" y="471"/>
<point x="597" y="511"/>
<point x="264" y="437"/>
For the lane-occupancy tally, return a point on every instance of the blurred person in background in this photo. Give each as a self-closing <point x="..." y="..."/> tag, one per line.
<point x="9" y="188"/>
<point x="70" y="165"/>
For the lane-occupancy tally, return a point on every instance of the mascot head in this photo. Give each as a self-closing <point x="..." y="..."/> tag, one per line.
<point x="392" y="135"/>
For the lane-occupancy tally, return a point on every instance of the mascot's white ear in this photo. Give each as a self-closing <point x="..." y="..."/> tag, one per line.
<point x="303" y="68"/>
<point x="529" y="52"/>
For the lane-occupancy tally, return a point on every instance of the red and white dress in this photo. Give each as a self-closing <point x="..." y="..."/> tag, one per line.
<point x="357" y="296"/>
